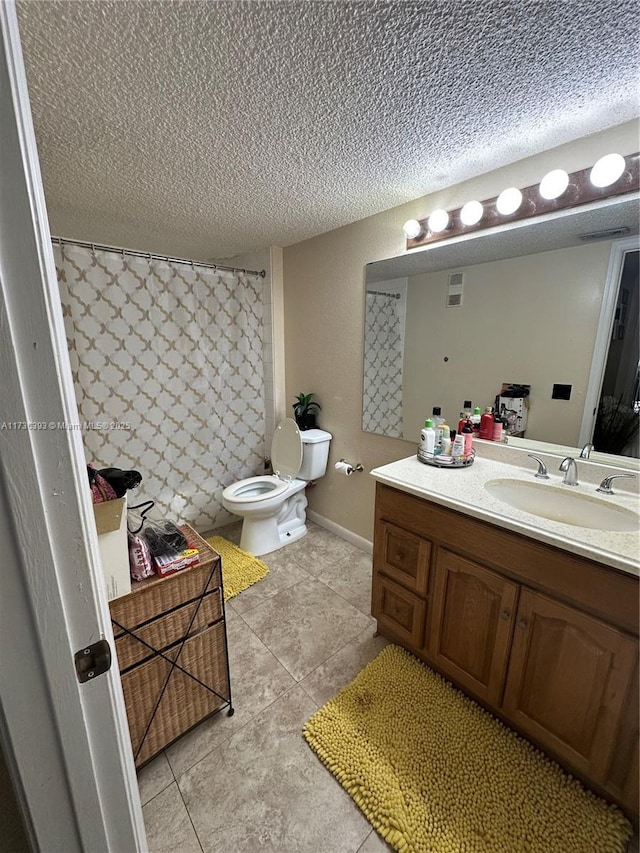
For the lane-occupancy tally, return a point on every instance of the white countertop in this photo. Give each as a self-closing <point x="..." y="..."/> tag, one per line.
<point x="462" y="489"/>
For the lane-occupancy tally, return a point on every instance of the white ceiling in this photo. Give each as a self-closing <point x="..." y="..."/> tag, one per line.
<point x="203" y="129"/>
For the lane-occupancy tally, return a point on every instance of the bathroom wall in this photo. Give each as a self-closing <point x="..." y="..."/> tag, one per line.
<point x="551" y="298"/>
<point x="324" y="319"/>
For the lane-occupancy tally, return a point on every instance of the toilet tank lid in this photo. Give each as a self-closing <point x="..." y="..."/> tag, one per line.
<point x="314" y="436"/>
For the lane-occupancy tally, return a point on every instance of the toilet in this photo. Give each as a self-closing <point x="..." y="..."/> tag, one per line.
<point x="274" y="506"/>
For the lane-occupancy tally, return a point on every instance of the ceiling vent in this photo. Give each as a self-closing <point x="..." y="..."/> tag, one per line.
<point x="606" y="235"/>
<point x="456" y="286"/>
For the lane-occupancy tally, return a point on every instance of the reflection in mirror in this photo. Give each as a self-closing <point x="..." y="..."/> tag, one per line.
<point x="455" y="323"/>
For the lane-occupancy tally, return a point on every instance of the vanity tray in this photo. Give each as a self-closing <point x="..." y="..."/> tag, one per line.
<point x="436" y="461"/>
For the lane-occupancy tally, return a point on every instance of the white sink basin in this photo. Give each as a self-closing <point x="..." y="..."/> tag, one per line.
<point x="560" y="503"/>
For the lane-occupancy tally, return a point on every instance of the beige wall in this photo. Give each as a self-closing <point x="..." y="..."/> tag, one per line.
<point x="324" y="315"/>
<point x="530" y="321"/>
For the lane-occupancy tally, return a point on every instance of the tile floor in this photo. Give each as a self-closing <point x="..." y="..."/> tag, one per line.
<point x="249" y="783"/>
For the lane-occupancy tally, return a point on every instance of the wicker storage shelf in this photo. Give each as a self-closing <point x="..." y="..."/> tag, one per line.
<point x="171" y="644"/>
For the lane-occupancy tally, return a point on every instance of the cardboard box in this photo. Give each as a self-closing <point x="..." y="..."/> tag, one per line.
<point x="111" y="524"/>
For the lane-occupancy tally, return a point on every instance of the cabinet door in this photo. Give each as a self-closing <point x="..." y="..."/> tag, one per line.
<point x="402" y="556"/>
<point x="471" y="617"/>
<point x="400" y="613"/>
<point x="569" y="676"/>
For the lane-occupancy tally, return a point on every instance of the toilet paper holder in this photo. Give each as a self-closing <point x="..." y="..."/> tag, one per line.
<point x="347" y="467"/>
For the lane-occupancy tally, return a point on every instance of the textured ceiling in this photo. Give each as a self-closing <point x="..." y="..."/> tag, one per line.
<point x="202" y="129"/>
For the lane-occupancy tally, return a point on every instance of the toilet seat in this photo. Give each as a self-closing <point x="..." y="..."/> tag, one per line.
<point x="286" y="459"/>
<point x="256" y="488"/>
<point x="273" y="507"/>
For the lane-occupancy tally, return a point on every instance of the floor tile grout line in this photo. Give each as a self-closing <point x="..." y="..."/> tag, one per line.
<point x="240" y="728"/>
<point x="186" y="808"/>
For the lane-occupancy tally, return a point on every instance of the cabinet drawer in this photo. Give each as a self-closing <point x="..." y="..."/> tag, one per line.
<point x="178" y="700"/>
<point x="403" y="557"/>
<point x="155" y="595"/>
<point x="166" y="629"/>
<point x="398" y="611"/>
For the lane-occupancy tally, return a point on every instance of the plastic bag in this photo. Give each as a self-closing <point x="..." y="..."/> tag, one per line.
<point x="163" y="537"/>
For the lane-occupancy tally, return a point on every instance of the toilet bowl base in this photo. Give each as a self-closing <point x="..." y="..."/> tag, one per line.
<point x="262" y="536"/>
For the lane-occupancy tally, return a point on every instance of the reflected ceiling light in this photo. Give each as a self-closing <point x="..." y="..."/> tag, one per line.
<point x="471" y="213"/>
<point x="412" y="229"/>
<point x="438" y="221"/>
<point x="509" y="201"/>
<point x="554" y="184"/>
<point x="607" y="170"/>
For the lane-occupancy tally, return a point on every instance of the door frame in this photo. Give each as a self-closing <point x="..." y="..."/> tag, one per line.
<point x="617" y="255"/>
<point x="67" y="745"/>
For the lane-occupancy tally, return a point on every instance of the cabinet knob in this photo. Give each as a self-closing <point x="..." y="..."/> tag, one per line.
<point x="505" y="614"/>
<point x="521" y="623"/>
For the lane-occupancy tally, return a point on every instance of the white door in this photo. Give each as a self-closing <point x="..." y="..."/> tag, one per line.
<point x="66" y="743"/>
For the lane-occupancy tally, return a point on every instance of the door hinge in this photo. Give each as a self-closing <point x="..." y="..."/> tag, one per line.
<point x="92" y="661"/>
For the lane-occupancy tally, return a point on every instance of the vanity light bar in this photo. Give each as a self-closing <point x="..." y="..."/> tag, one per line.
<point x="556" y="191"/>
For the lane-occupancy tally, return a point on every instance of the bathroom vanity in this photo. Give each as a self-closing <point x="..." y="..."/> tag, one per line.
<point x="535" y="619"/>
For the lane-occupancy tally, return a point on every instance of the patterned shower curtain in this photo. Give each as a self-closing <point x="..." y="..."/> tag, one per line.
<point x="382" y="397"/>
<point x="167" y="363"/>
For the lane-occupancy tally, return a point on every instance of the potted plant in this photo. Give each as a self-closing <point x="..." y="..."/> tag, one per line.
<point x="305" y="410"/>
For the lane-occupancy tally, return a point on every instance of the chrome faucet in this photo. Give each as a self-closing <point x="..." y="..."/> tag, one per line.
<point x="541" y="473"/>
<point x="586" y="451"/>
<point x="605" y="486"/>
<point x="570" y="469"/>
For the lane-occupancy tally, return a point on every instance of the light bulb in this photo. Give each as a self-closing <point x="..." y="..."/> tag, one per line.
<point x="607" y="170"/>
<point x="438" y="221"/>
<point x="471" y="213"/>
<point x="412" y="229"/>
<point x="509" y="201"/>
<point x="554" y="184"/>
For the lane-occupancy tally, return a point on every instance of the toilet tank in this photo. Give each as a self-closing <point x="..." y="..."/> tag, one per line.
<point x="315" y="453"/>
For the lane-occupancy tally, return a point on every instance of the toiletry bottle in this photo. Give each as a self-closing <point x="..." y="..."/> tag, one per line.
<point x="457" y="448"/>
<point x="436" y="417"/>
<point x="427" y="438"/>
<point x="475" y="420"/>
<point x="467" y="432"/>
<point x="461" y="421"/>
<point x="468" y="408"/>
<point x="497" y="427"/>
<point x="486" y="424"/>
<point x="445" y="444"/>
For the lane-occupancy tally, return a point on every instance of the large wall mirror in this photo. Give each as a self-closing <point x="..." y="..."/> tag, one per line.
<point x="549" y="304"/>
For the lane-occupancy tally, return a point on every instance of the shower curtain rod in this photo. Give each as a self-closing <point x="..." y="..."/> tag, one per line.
<point x="382" y="293"/>
<point x="152" y="255"/>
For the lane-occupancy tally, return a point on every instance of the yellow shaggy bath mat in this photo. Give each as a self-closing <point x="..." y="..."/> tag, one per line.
<point x="435" y="773"/>
<point x="239" y="568"/>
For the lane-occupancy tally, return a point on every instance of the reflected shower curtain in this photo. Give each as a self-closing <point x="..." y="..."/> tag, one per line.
<point x="167" y="364"/>
<point x="382" y="397"/>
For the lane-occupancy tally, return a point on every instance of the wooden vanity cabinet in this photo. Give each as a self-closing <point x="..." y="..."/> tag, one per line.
<point x="568" y="678"/>
<point x="546" y="640"/>
<point x="465" y="593"/>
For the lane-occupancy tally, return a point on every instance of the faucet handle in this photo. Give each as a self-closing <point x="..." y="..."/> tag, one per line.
<point x="605" y="485"/>
<point x="541" y="473"/>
